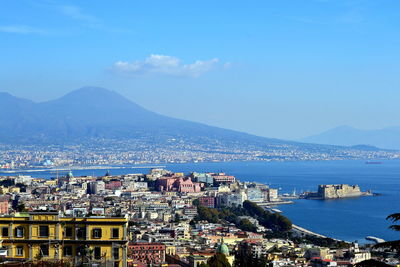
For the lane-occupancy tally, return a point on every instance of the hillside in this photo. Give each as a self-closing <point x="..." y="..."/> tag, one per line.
<point x="100" y="118"/>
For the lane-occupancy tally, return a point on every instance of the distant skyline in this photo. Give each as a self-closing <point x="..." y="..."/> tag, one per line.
<point x="284" y="69"/>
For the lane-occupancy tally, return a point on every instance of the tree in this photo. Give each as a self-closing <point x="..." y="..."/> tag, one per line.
<point x="177" y="218"/>
<point x="371" y="263"/>
<point x="218" y="260"/>
<point x="196" y="202"/>
<point x="21" y="208"/>
<point x="246" y="225"/>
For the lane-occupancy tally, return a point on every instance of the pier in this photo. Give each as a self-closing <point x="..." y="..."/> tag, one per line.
<point x="267" y="204"/>
<point x="302" y="231"/>
<point x="377" y="240"/>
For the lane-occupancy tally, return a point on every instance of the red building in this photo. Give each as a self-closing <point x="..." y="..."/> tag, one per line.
<point x="113" y="185"/>
<point x="143" y="253"/>
<point x="208" y="202"/>
<point x="178" y="184"/>
<point x="4" y="205"/>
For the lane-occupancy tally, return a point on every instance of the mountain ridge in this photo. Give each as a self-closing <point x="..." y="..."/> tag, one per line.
<point x="93" y="112"/>
<point x="92" y="115"/>
<point x="385" y="138"/>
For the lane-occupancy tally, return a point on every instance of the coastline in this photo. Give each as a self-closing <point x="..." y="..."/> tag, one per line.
<point x="302" y="231"/>
<point x="304" y="176"/>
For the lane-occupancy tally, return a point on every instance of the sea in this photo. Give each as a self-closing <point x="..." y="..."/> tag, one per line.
<point x="350" y="219"/>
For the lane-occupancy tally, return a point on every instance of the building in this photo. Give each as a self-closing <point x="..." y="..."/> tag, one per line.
<point x="331" y="191"/>
<point x="207" y="201"/>
<point x="48" y="236"/>
<point x="205" y="178"/>
<point x="140" y="253"/>
<point x="113" y="185"/>
<point x="178" y="184"/>
<point x="196" y="260"/>
<point x="4" y="204"/>
<point x="96" y="187"/>
<point x="255" y="194"/>
<point x="222" y="178"/>
<point x="272" y="194"/>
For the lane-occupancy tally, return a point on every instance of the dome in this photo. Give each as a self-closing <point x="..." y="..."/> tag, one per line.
<point x="223" y="248"/>
<point x="70" y="175"/>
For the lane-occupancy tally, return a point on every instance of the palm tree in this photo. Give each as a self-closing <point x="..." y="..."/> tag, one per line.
<point x="393" y="245"/>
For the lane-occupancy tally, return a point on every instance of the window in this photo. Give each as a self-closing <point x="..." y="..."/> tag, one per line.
<point x="81" y="232"/>
<point x="19" y="231"/>
<point x="96" y="233"/>
<point x="6" y="249"/>
<point x="20" y="251"/>
<point x="68" y="232"/>
<point x="44" y="250"/>
<point x="115" y="233"/>
<point x="97" y="253"/>
<point x="115" y="253"/>
<point x="81" y="250"/>
<point x="4" y="231"/>
<point x="67" y="251"/>
<point x="43" y="231"/>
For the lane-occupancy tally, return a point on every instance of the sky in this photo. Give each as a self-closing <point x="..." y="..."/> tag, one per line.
<point x="276" y="68"/>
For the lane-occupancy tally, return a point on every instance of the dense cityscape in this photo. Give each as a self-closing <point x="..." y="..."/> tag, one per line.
<point x="125" y="152"/>
<point x="160" y="219"/>
<point x="199" y="133"/>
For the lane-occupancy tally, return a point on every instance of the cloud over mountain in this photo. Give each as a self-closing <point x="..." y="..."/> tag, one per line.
<point x="165" y="65"/>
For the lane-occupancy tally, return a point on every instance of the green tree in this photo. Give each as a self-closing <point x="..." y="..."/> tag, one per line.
<point x="371" y="263"/>
<point x="196" y="202"/>
<point x="21" y="208"/>
<point x="177" y="218"/>
<point x="218" y="260"/>
<point x="246" y="225"/>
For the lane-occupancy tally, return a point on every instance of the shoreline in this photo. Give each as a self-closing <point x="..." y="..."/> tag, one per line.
<point x="163" y="164"/>
<point x="303" y="231"/>
<point x="78" y="168"/>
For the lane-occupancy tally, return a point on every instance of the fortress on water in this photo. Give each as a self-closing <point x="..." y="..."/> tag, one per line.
<point x="332" y="191"/>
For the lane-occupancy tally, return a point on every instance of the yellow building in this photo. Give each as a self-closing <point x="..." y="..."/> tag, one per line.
<point x="48" y="236"/>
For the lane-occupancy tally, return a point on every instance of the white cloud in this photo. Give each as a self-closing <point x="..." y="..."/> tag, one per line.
<point x="166" y="65"/>
<point x="21" y="29"/>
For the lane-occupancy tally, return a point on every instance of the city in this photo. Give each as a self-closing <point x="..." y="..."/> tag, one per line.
<point x="159" y="219"/>
<point x="199" y="133"/>
<point x="130" y="152"/>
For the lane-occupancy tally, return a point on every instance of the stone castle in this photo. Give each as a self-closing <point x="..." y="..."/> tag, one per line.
<point x="332" y="191"/>
<point x="338" y="191"/>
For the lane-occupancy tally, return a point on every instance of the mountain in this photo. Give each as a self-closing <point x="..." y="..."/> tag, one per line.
<point x="387" y="138"/>
<point x="92" y="112"/>
<point x="103" y="120"/>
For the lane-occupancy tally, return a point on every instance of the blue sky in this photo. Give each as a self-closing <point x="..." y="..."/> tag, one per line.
<point x="277" y="68"/>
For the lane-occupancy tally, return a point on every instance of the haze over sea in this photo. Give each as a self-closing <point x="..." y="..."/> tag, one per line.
<point x="347" y="219"/>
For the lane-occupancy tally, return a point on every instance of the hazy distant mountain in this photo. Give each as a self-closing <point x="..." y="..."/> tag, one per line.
<point x="98" y="117"/>
<point x="388" y="138"/>
<point x="92" y="112"/>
